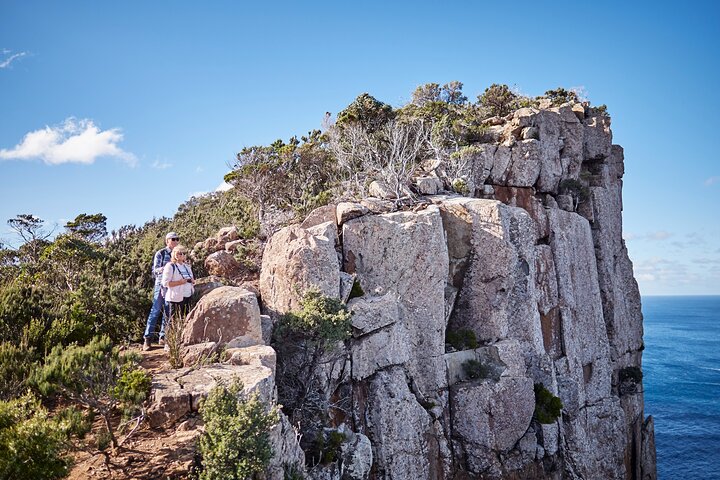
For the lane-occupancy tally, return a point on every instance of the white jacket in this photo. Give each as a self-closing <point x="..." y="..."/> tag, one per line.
<point x="172" y="273"/>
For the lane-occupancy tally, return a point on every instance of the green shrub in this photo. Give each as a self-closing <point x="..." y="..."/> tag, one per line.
<point x="323" y="319"/>
<point x="15" y="365"/>
<point x="631" y="374"/>
<point x="560" y="96"/>
<point x="236" y="441"/>
<point x="462" y="339"/>
<point x="475" y="369"/>
<point x="326" y="448"/>
<point x="575" y="188"/>
<point x="547" y="406"/>
<point x="357" y="290"/>
<point x="95" y="376"/>
<point x="499" y="100"/>
<point x="32" y="445"/>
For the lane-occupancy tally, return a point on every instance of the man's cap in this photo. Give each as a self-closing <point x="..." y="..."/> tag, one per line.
<point x="171" y="235"/>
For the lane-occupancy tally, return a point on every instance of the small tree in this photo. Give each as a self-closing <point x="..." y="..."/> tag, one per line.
<point x="97" y="377"/>
<point x="236" y="441"/>
<point x="499" y="99"/>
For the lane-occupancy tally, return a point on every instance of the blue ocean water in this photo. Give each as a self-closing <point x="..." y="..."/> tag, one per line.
<point x="681" y="367"/>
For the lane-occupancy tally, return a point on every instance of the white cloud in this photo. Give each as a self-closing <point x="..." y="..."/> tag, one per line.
<point x="5" y="63"/>
<point x="224" y="187"/>
<point x="659" y="235"/>
<point x="158" y="165"/>
<point x="711" y="181"/>
<point x="197" y="195"/>
<point x="199" y="169"/>
<point x="75" y="141"/>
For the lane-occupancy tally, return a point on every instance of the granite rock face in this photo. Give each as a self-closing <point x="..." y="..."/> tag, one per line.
<point x="533" y="274"/>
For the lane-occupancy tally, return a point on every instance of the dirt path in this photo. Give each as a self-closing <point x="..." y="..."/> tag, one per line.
<point x="149" y="453"/>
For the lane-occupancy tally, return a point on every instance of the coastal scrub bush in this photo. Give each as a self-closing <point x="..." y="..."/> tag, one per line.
<point x="96" y="377"/>
<point x="322" y="319"/>
<point x="236" y="440"/>
<point x="575" y="188"/>
<point x="547" y="406"/>
<point x="461" y="339"/>
<point x="15" y="365"/>
<point x="33" y="446"/>
<point x="326" y="448"/>
<point x="475" y="369"/>
<point x="561" y="95"/>
<point x="499" y="100"/>
<point x="631" y="374"/>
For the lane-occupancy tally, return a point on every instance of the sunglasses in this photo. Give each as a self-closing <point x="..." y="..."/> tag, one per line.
<point x="175" y="239"/>
<point x="181" y="253"/>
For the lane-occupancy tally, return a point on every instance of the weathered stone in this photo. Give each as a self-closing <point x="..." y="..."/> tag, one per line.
<point x="398" y="427"/>
<point x="583" y="329"/>
<point x="287" y="453"/>
<point x="222" y="264"/>
<point x="405" y="254"/>
<point x="178" y="392"/>
<point x="294" y="262"/>
<point x="266" y="324"/>
<point x="497" y="297"/>
<point x="428" y="185"/>
<point x="255" y="355"/>
<point x="346" y="285"/>
<point x="648" y="461"/>
<point x="347" y="211"/>
<point x="579" y="111"/>
<point x="597" y="137"/>
<point x="525" y="164"/>
<point x="566" y="202"/>
<point x="234" y="246"/>
<point x="373" y="313"/>
<point x="377" y="205"/>
<point x="227" y="314"/>
<point x="487" y="356"/>
<point x="320" y="215"/>
<point x="357" y="456"/>
<point x="212" y="245"/>
<point x="381" y="190"/>
<point x="205" y="285"/>
<point x="482" y="163"/>
<point x="196" y="354"/>
<point x="492" y="416"/>
<point x="380" y="349"/>
<point x="501" y="162"/>
<point x="227" y="234"/>
<point x="530" y="133"/>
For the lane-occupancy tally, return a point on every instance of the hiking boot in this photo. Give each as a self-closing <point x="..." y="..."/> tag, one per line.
<point x="146" y="345"/>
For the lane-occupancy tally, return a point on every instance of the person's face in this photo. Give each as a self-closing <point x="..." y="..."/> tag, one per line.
<point x="171" y="242"/>
<point x="181" y="256"/>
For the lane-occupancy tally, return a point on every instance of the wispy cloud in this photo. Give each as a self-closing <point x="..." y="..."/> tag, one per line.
<point x="656" y="236"/>
<point x="711" y="181"/>
<point x="9" y="57"/>
<point x="75" y="141"/>
<point x="158" y="165"/>
<point x="199" y="169"/>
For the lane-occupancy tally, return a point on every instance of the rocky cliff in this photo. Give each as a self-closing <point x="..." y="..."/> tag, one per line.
<point x="531" y="270"/>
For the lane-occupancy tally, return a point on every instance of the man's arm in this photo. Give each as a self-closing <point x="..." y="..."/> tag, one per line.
<point x="157" y="268"/>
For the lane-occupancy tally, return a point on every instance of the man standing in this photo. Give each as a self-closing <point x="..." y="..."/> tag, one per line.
<point x="161" y="258"/>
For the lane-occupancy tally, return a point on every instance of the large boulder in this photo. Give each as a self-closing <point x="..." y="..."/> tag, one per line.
<point x="227" y="314"/>
<point x="222" y="264"/>
<point x="496" y="269"/>
<point x="405" y="254"/>
<point x="296" y="260"/>
<point x="490" y="418"/>
<point x="398" y="427"/>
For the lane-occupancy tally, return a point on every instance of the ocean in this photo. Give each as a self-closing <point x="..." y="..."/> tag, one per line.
<point x="681" y="367"/>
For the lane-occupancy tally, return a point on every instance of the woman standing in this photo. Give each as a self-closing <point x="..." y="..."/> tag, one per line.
<point x="178" y="278"/>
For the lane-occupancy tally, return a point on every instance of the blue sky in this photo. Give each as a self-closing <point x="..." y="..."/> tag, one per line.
<point x="157" y="97"/>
